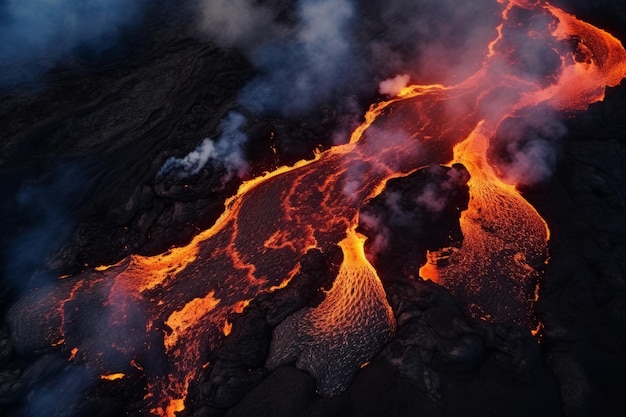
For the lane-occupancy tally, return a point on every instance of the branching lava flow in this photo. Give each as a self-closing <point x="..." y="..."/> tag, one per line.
<point x="176" y="305"/>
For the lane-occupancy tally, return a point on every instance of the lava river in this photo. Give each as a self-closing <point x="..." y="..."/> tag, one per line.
<point x="175" y="305"/>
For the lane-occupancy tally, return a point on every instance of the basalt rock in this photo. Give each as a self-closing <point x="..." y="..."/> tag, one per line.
<point x="413" y="214"/>
<point x="238" y="365"/>
<point x="110" y="129"/>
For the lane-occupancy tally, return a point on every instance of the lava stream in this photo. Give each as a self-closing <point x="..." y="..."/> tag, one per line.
<point x="175" y="305"/>
<point x="333" y="339"/>
<point x="504" y="245"/>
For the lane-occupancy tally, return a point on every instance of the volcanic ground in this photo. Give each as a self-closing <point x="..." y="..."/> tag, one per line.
<point x="84" y="141"/>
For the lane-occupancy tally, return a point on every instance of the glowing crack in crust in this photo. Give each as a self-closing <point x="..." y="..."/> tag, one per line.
<point x="175" y="305"/>
<point x="332" y="340"/>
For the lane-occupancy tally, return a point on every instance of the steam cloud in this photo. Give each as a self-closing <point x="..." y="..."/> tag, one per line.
<point x="226" y="152"/>
<point x="306" y="53"/>
<point x="309" y="64"/>
<point x="316" y="51"/>
<point x="36" y="35"/>
<point x="393" y="86"/>
<point x="527" y="148"/>
<point x="237" y="23"/>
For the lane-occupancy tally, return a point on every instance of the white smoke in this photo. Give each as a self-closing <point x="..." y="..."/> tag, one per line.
<point x="393" y="86"/>
<point x="227" y="151"/>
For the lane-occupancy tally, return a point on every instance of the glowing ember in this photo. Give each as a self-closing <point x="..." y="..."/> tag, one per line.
<point x="177" y="304"/>
<point x="112" y="377"/>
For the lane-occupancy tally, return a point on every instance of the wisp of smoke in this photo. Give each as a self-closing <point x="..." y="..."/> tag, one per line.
<point x="35" y="35"/>
<point x="526" y="149"/>
<point x="237" y="23"/>
<point x="440" y="41"/>
<point x="393" y="86"/>
<point x="227" y="152"/>
<point x="436" y="197"/>
<point x="304" y="68"/>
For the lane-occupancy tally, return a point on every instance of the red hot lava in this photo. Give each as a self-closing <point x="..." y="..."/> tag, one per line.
<point x="176" y="304"/>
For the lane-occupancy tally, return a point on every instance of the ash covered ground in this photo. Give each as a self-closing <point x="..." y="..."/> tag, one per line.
<point x="125" y="134"/>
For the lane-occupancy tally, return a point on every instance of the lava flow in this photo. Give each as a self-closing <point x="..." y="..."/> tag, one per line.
<point x="164" y="313"/>
<point x="315" y="338"/>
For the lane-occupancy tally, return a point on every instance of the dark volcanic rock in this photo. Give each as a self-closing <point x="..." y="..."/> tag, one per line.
<point x="238" y="365"/>
<point x="413" y="214"/>
<point x="285" y="392"/>
<point x="97" y="124"/>
<point x="582" y="298"/>
<point x="440" y="363"/>
<point x="460" y="364"/>
<point x="79" y="155"/>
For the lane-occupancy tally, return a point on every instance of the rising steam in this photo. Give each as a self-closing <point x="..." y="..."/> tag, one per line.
<point x="307" y="66"/>
<point x="227" y="152"/>
<point x="237" y="23"/>
<point x="393" y="86"/>
<point x="528" y="148"/>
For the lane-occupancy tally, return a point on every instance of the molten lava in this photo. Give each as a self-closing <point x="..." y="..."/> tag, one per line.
<point x="175" y="306"/>
<point x="505" y="242"/>
<point x="334" y="339"/>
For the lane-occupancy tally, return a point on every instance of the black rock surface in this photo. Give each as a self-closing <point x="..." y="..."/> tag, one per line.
<point x="80" y="150"/>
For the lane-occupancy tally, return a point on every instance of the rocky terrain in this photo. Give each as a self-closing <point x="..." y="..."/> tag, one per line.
<point x="82" y="145"/>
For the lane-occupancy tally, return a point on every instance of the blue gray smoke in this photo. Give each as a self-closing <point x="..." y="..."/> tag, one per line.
<point x="37" y="222"/>
<point x="310" y="66"/>
<point x="226" y="152"/>
<point x="37" y="35"/>
<point x="299" y="65"/>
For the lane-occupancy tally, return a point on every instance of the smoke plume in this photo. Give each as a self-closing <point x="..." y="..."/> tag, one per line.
<point x="243" y="24"/>
<point x="526" y="149"/>
<point x="308" y="65"/>
<point x="432" y="41"/>
<point x="393" y="86"/>
<point x="226" y="152"/>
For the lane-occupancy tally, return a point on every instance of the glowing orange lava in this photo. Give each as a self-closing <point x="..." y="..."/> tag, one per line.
<point x="188" y="293"/>
<point x="334" y="339"/>
<point x="113" y="377"/>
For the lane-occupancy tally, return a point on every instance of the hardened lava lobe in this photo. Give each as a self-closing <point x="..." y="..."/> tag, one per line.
<point x="352" y="324"/>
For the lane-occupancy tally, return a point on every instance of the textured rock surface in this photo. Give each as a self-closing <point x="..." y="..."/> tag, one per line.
<point x="582" y="300"/>
<point x="79" y="156"/>
<point x="413" y="214"/>
<point x="333" y="339"/>
<point x="239" y="364"/>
